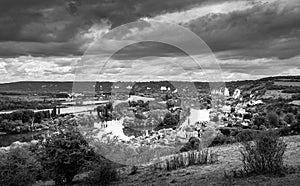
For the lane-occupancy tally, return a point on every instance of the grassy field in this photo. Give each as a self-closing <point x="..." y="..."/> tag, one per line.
<point x="228" y="159"/>
<point x="287" y="83"/>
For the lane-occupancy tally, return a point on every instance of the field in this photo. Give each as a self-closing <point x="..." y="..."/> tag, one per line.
<point x="229" y="159"/>
<point x="287" y="83"/>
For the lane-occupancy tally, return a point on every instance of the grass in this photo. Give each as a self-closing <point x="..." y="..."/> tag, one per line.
<point x="102" y="174"/>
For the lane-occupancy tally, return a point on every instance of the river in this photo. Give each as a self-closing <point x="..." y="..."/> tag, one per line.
<point x="115" y="127"/>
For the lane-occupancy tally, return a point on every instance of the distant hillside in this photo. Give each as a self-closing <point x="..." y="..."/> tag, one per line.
<point x="30" y="86"/>
<point x="55" y="87"/>
<point x="281" y="78"/>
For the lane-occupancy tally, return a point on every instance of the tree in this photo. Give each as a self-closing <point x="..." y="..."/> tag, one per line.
<point x="272" y="120"/>
<point x="53" y="113"/>
<point x="64" y="154"/>
<point x="259" y="120"/>
<point x="298" y="117"/>
<point x="289" y="118"/>
<point x="16" y="115"/>
<point x="38" y="117"/>
<point x="170" y="103"/>
<point x="18" y="167"/>
<point x="27" y="115"/>
<point x="170" y="119"/>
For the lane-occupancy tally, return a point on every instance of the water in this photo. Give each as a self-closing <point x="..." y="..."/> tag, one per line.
<point x="66" y="110"/>
<point x="196" y="115"/>
<point x="116" y="127"/>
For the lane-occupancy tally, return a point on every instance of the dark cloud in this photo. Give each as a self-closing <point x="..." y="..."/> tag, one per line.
<point x="268" y="30"/>
<point x="59" y="21"/>
<point x="12" y="49"/>
<point x="51" y="27"/>
<point x="147" y="49"/>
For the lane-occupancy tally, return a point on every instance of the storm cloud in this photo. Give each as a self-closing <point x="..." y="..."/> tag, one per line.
<point x="247" y="37"/>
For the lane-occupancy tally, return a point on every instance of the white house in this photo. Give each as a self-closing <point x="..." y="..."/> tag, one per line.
<point x="162" y="88"/>
<point x="226" y="92"/>
<point x="236" y="94"/>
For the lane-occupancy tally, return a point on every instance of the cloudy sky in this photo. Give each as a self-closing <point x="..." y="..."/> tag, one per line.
<point x="148" y="39"/>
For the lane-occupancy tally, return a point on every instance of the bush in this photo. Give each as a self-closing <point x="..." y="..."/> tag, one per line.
<point x="259" y="120"/>
<point x="18" y="167"/>
<point x="64" y="154"/>
<point x="170" y="119"/>
<point x="192" y="144"/>
<point x="264" y="155"/>
<point x="289" y="118"/>
<point x="102" y="174"/>
<point x="16" y="115"/>
<point x="272" y="120"/>
<point x="246" y="135"/>
<point x="215" y="119"/>
<point x="226" y="131"/>
<point x="38" y="117"/>
<point x="24" y="115"/>
<point x="285" y="131"/>
<point x="221" y="139"/>
<point x="295" y="128"/>
<point x="298" y="117"/>
<point x="263" y="127"/>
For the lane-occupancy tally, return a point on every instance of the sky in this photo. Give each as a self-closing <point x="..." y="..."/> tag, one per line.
<point x="141" y="40"/>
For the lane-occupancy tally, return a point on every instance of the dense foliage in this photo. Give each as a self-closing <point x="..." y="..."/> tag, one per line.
<point x="13" y="104"/>
<point x="64" y="154"/>
<point x="21" y="120"/>
<point x="264" y="155"/>
<point x="18" y="167"/>
<point x="101" y="174"/>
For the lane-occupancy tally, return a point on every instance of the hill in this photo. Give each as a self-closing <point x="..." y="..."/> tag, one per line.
<point x="56" y="86"/>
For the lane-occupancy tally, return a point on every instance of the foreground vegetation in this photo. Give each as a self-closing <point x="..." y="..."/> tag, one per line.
<point x="59" y="157"/>
<point x="65" y="154"/>
<point x="229" y="161"/>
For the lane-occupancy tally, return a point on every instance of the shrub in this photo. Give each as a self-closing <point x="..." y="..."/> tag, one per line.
<point x="264" y="155"/>
<point x="18" y="167"/>
<point x="192" y="144"/>
<point x="263" y="127"/>
<point x="221" y="139"/>
<point x="102" y="173"/>
<point x="170" y="119"/>
<point x="64" y="154"/>
<point x="298" y="117"/>
<point x="289" y="118"/>
<point x="27" y="115"/>
<point x="272" y="120"/>
<point x="226" y="131"/>
<point x="246" y="135"/>
<point x="24" y="115"/>
<point x="215" y="119"/>
<point x="38" y="117"/>
<point x="259" y="120"/>
<point x="295" y="128"/>
<point x="285" y="131"/>
<point x="16" y="115"/>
